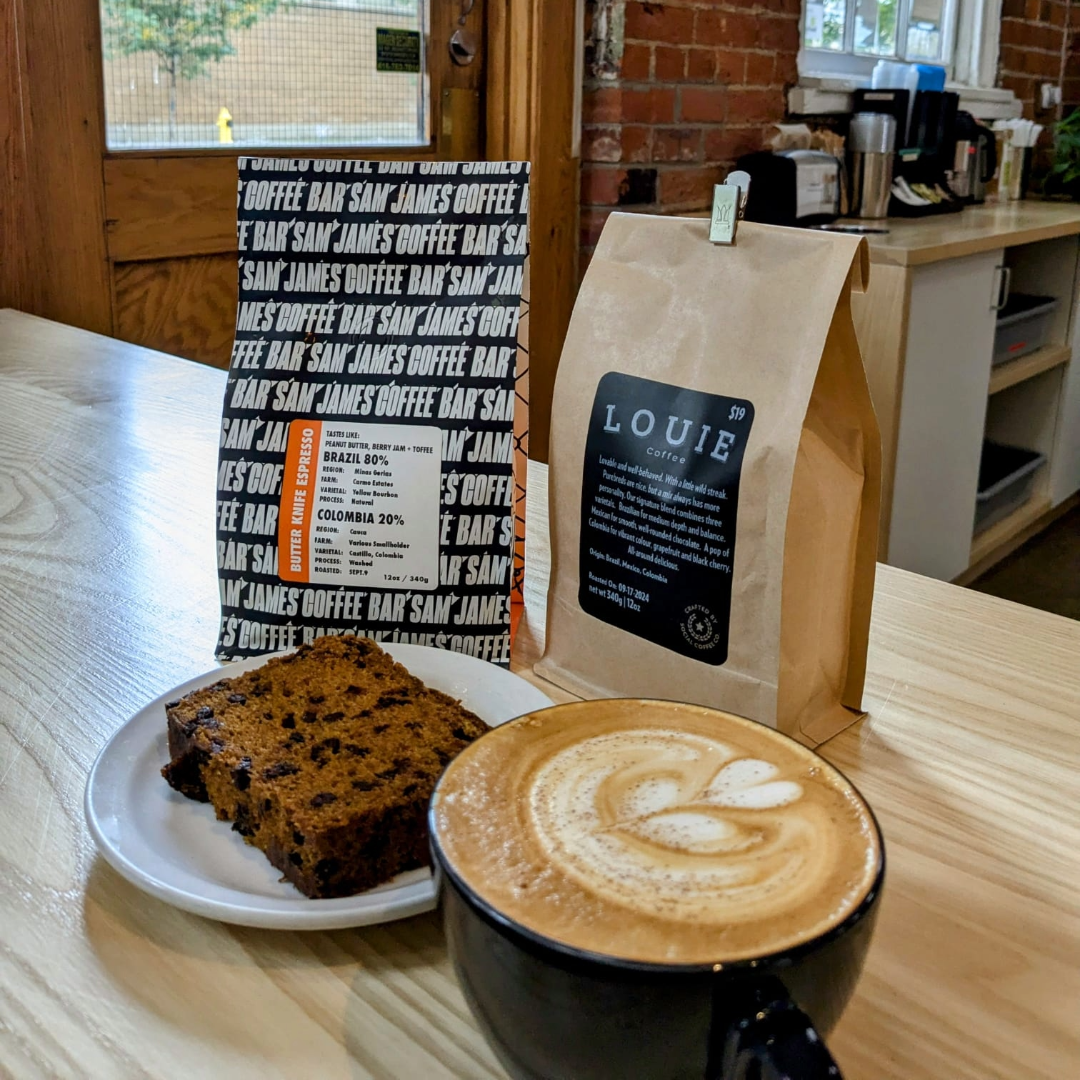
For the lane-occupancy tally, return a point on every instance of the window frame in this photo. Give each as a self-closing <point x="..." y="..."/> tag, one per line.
<point x="965" y="43"/>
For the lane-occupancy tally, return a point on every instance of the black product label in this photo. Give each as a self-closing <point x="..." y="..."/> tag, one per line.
<point x="659" y="501"/>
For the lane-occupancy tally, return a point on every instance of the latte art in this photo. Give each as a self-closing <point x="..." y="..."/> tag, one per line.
<point x="656" y="831"/>
<point x="645" y="819"/>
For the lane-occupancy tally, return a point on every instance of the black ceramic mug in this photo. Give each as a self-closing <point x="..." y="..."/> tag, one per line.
<point x="557" y="1012"/>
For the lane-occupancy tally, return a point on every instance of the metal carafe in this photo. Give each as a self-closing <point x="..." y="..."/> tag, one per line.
<point x="871" y="143"/>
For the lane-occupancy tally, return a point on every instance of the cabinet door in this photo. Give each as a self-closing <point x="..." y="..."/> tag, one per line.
<point x="951" y="321"/>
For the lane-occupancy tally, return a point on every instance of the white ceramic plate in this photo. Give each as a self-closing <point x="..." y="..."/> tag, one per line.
<point x="175" y="849"/>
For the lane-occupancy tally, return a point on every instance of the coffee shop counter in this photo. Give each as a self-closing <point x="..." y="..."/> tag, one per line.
<point x="969" y="753"/>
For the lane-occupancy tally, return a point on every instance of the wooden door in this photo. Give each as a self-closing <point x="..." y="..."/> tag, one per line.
<point x="141" y="244"/>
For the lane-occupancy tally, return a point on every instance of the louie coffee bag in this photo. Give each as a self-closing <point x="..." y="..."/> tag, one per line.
<point x="715" y="476"/>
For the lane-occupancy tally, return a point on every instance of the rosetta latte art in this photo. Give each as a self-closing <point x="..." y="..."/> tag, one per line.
<point x="679" y="825"/>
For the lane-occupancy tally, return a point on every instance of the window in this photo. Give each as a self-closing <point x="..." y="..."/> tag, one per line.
<point x="852" y="35"/>
<point x="263" y="73"/>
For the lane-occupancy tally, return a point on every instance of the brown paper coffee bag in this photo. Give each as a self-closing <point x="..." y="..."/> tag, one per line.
<point x="715" y="476"/>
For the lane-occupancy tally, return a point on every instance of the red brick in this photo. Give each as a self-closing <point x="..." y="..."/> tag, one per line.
<point x="701" y="65"/>
<point x="738" y="30"/>
<point x="1058" y="15"/>
<point x="600" y="185"/>
<point x="781" y="34"/>
<point x="659" y="22"/>
<point x="755" y="106"/>
<point x="655" y="106"/>
<point x="636" y="63"/>
<point x="637" y="143"/>
<point x="704" y="104"/>
<point x="600" y="144"/>
<point x="730" y="66"/>
<point x="1012" y="9"/>
<point x="727" y="144"/>
<point x="601" y="106"/>
<point x="760" y="69"/>
<point x="670" y="63"/>
<point x="592" y="222"/>
<point x="676" y="144"/>
<point x="787" y="69"/>
<point x="690" y="189"/>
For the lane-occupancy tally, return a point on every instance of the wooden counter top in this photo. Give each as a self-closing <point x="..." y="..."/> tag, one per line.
<point x="972" y="230"/>
<point x="970" y="756"/>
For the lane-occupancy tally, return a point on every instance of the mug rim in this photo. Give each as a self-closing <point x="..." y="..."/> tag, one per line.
<point x="747" y="964"/>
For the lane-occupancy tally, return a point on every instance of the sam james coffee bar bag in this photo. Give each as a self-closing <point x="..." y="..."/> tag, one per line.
<point x="715" y="476"/>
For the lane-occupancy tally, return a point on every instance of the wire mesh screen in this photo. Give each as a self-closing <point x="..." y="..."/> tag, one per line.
<point x="183" y="73"/>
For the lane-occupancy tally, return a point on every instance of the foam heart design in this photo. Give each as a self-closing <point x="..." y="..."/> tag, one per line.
<point x="748" y="785"/>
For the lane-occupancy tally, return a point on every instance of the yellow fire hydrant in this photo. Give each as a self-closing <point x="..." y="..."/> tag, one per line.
<point x="224" y="125"/>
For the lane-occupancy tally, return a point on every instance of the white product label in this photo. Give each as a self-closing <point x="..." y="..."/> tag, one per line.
<point x="816" y="188"/>
<point x="360" y="505"/>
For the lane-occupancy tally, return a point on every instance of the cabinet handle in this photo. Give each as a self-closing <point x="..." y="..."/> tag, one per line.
<point x="1004" y="285"/>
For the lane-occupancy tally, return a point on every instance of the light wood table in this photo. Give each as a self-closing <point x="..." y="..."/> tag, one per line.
<point x="970" y="755"/>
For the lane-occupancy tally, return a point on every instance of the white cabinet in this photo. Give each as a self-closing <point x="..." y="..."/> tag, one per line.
<point x="946" y="376"/>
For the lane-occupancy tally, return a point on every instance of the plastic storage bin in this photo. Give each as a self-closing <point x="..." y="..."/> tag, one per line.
<point x="1023" y="325"/>
<point x="1006" y="478"/>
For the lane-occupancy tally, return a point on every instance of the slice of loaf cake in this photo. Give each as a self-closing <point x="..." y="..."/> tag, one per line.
<point x="324" y="759"/>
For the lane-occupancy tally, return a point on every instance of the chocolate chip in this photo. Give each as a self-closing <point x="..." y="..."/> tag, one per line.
<point x="294" y="858"/>
<point x="444" y="756"/>
<point x="241" y="774"/>
<point x="388" y="774"/>
<point x="323" y="798"/>
<point x="261" y="689"/>
<point x="327" y="868"/>
<point x="359" y="751"/>
<point x="316" y="699"/>
<point x="414" y="725"/>
<point x="267" y="806"/>
<point x="173" y="704"/>
<point x="237" y="699"/>
<point x="364" y="785"/>
<point x="410" y="789"/>
<point x="242" y="822"/>
<point x="360" y="664"/>
<point x="363" y="713"/>
<point x="334" y="744"/>
<point x="380" y="674"/>
<point x="205" y="713"/>
<point x="268" y="715"/>
<point x="288" y="720"/>
<point x="286" y="691"/>
<point x="297" y="737"/>
<point x="217" y="745"/>
<point x="333" y="717"/>
<point x="380" y="728"/>
<point x="189" y="727"/>
<point x="348" y="690"/>
<point x="461" y="733"/>
<point x="282" y="768"/>
<point x="298" y="838"/>
<point x="387" y="701"/>
<point x="310" y="717"/>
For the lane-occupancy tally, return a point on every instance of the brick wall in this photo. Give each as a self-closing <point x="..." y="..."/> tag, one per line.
<point x="1031" y="42"/>
<point x="674" y="93"/>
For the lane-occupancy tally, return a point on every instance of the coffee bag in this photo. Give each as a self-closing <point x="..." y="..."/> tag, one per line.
<point x="715" y="476"/>
<point x="375" y="423"/>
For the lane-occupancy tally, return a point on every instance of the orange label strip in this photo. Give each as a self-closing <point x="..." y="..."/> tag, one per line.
<point x="297" y="496"/>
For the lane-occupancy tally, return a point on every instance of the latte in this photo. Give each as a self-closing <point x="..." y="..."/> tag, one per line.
<point x="655" y="831"/>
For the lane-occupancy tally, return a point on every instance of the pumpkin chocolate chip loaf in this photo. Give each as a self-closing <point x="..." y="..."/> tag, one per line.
<point x="324" y="759"/>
